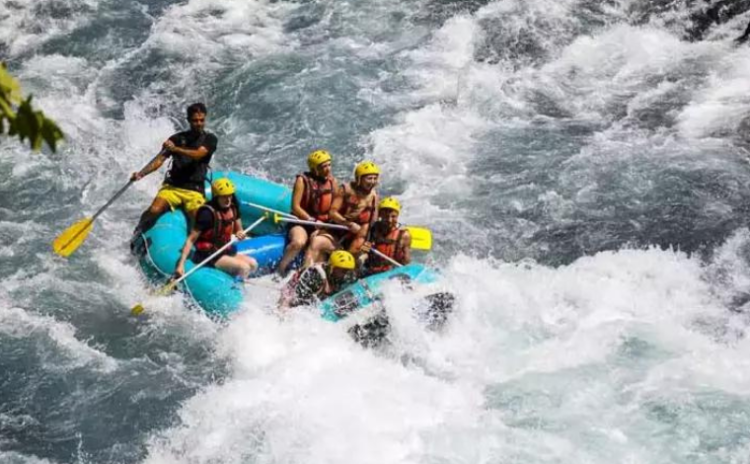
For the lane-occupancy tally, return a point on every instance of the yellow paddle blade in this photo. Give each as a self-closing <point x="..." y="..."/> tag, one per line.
<point x="163" y="291"/>
<point x="421" y="238"/>
<point x="69" y="241"/>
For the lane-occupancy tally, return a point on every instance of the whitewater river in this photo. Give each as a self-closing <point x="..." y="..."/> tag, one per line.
<point x="583" y="167"/>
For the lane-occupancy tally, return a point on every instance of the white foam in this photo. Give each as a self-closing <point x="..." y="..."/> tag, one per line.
<point x="23" y="25"/>
<point x="721" y="104"/>
<point x="71" y="353"/>
<point x="301" y="391"/>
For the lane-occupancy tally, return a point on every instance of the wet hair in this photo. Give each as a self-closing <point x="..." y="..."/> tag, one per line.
<point x="196" y="108"/>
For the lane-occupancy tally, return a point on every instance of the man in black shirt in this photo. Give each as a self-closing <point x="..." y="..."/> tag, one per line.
<point x="183" y="186"/>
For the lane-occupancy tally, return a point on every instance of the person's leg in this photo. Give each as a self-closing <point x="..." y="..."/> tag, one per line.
<point x="321" y="245"/>
<point x="237" y="265"/>
<point x="149" y="217"/>
<point x="356" y="245"/>
<point x="191" y="201"/>
<point x="297" y="241"/>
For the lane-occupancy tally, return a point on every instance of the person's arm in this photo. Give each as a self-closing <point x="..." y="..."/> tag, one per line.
<point x="335" y="215"/>
<point x="194" y="153"/>
<point x="406" y="247"/>
<point x="239" y="231"/>
<point x="150" y="167"/>
<point x="209" y="146"/>
<point x="336" y="203"/>
<point x="180" y="270"/>
<point x="297" y="194"/>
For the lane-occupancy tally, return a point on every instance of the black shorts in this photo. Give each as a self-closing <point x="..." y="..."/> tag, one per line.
<point x="199" y="256"/>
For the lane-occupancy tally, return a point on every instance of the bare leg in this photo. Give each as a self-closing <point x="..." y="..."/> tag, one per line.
<point x="238" y="265"/>
<point x="149" y="217"/>
<point x="297" y="240"/>
<point x="320" y="246"/>
<point x="356" y="245"/>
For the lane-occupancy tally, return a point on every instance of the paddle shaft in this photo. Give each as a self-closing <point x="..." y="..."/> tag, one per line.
<point x="338" y="227"/>
<point x="100" y="211"/>
<point x="269" y="210"/>
<point x="293" y="219"/>
<point x="112" y="200"/>
<point x="216" y="253"/>
<point x="124" y="188"/>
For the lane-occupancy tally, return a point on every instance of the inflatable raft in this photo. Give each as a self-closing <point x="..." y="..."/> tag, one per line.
<point x="219" y="294"/>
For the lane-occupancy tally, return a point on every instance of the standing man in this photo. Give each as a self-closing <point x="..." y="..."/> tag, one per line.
<point x="190" y="151"/>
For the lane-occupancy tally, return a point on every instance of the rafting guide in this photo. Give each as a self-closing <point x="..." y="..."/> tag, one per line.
<point x="190" y="152"/>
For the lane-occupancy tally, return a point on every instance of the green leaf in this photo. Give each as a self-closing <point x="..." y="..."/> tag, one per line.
<point x="6" y="109"/>
<point x="9" y="86"/>
<point x="51" y="133"/>
<point x="23" y="121"/>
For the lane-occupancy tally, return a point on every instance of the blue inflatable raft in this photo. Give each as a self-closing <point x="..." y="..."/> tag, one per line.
<point x="218" y="293"/>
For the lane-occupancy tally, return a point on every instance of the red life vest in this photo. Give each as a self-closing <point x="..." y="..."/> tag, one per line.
<point x="220" y="234"/>
<point x="356" y="209"/>
<point x="389" y="245"/>
<point x="317" y="197"/>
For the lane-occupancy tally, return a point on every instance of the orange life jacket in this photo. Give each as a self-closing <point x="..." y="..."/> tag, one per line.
<point x="356" y="209"/>
<point x="317" y="197"/>
<point x="388" y="244"/>
<point x="220" y="234"/>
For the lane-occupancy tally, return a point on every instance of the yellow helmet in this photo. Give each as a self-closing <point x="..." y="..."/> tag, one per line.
<point x="222" y="187"/>
<point x="390" y="203"/>
<point x="317" y="158"/>
<point x="341" y="259"/>
<point x="365" y="168"/>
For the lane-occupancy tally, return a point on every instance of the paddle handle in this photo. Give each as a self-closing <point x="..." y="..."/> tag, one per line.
<point x="216" y="253"/>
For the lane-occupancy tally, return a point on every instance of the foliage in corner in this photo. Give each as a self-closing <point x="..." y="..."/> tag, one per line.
<point x="19" y="118"/>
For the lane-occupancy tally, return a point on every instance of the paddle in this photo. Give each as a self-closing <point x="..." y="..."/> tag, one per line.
<point x="338" y="227"/>
<point x="72" y="238"/>
<point x="421" y="237"/>
<point x="170" y="286"/>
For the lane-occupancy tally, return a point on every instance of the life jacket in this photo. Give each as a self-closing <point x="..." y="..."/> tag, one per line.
<point x="317" y="197"/>
<point x="388" y="244"/>
<point x="220" y="234"/>
<point x="356" y="209"/>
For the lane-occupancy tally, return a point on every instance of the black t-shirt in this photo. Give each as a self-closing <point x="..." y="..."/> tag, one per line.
<point x="185" y="172"/>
